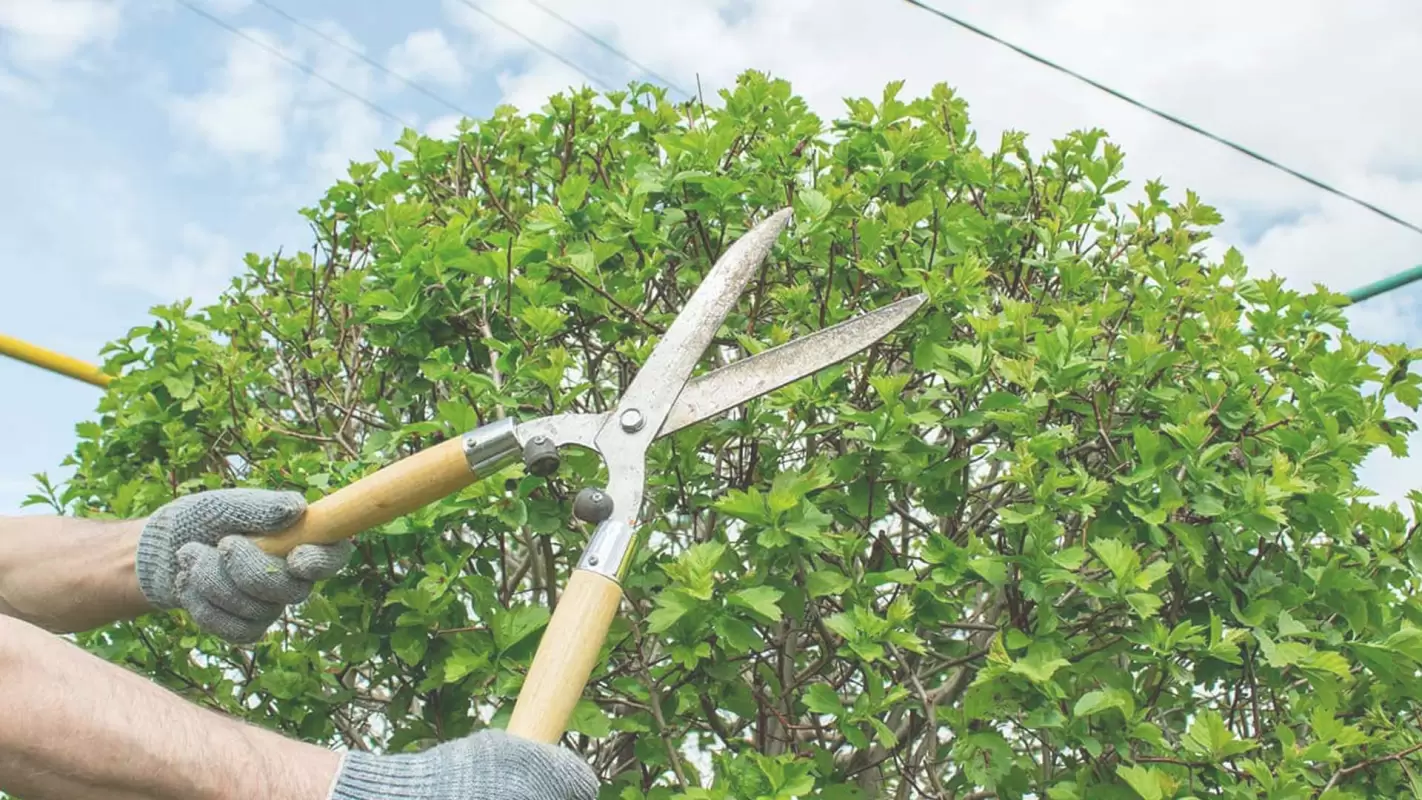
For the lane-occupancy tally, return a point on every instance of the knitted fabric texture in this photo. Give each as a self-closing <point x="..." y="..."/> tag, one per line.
<point x="206" y="518"/>
<point x="490" y="765"/>
<point x="194" y="553"/>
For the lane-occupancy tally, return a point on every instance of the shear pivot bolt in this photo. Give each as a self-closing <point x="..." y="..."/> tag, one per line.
<point x="631" y="420"/>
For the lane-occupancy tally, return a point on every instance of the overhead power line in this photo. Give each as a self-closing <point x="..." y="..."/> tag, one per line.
<point x="542" y="48"/>
<point x="368" y="103"/>
<point x="363" y="57"/>
<point x="1163" y="115"/>
<point x="648" y="71"/>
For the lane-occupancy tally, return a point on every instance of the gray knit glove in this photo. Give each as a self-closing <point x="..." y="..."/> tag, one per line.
<point x="490" y="765"/>
<point x="194" y="554"/>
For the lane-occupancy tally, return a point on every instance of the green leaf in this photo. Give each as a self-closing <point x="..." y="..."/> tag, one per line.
<point x="1191" y="539"/>
<point x="518" y="623"/>
<point x="1151" y="734"/>
<point x="843" y="624"/>
<point x="984" y="757"/>
<point x="179" y="386"/>
<point x="283" y="684"/>
<point x="671" y="606"/>
<point x="694" y="570"/>
<point x="1406" y="642"/>
<point x="762" y="600"/>
<point x="1039" y="666"/>
<point x="1147" y="444"/>
<point x="1288" y="626"/>
<point x="1020" y="514"/>
<point x="992" y="570"/>
<point x="789" y="488"/>
<point x="544" y="321"/>
<point x="409" y="644"/>
<point x="1119" y="558"/>
<point x="1152" y="573"/>
<point x="1213" y="452"/>
<point x="816" y="205"/>
<point x="737" y="635"/>
<point x="1070" y="558"/>
<point x="572" y="191"/>
<point x="821" y="699"/>
<point x="1210" y="738"/>
<point x="1145" y="605"/>
<point x="460" y="415"/>
<point x="1283" y="654"/>
<point x="590" y="720"/>
<point x="1145" y="781"/>
<point x="748" y="505"/>
<point x="461" y="662"/>
<point x="1327" y="661"/>
<point x="1098" y="701"/>
<point x="826" y="582"/>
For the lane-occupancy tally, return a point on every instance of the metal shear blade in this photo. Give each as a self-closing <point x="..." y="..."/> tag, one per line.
<point x="663" y="398"/>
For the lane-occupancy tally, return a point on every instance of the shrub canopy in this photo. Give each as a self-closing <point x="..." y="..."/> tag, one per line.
<point x="1088" y="526"/>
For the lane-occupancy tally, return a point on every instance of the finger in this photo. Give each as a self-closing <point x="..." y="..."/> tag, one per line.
<point x="205" y="580"/>
<point x="188" y="555"/>
<point x="212" y="515"/>
<point x="220" y="623"/>
<point x="259" y="574"/>
<point x="315" y="562"/>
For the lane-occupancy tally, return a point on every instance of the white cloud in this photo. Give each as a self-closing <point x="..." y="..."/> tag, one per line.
<point x="529" y="90"/>
<point x="495" y="41"/>
<point x="139" y="253"/>
<point x="427" y="54"/>
<point x="44" y="32"/>
<point x="1321" y="86"/>
<point x="199" y="267"/>
<point x="347" y="126"/>
<point x="18" y="90"/>
<point x="304" y="127"/>
<point x="245" y="114"/>
<point x="445" y="127"/>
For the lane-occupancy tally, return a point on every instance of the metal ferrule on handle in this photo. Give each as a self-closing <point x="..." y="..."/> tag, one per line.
<point x="611" y="549"/>
<point x="489" y="448"/>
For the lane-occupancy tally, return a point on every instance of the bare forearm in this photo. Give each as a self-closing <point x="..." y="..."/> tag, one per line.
<point x="74" y="725"/>
<point x="68" y="574"/>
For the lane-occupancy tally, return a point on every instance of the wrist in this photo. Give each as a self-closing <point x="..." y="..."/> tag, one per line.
<point x="68" y="574"/>
<point x="125" y="564"/>
<point x="105" y="586"/>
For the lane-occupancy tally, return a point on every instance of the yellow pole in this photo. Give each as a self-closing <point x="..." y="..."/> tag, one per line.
<point x="52" y="361"/>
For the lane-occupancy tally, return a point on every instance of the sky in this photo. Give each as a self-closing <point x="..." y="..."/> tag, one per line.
<point x="151" y="147"/>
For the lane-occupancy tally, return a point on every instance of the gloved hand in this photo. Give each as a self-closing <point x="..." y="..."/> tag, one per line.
<point x="490" y="765"/>
<point x="194" y="554"/>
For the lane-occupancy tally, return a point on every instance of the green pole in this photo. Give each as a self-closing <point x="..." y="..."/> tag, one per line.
<point x="1386" y="284"/>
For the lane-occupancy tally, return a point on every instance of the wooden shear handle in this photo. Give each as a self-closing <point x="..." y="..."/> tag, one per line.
<point x="400" y="488"/>
<point x="566" y="657"/>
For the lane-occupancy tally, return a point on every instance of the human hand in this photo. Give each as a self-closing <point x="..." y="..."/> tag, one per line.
<point x="489" y="765"/>
<point x="195" y="553"/>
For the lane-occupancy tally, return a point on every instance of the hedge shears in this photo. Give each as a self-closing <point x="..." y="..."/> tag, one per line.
<point x="663" y="398"/>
